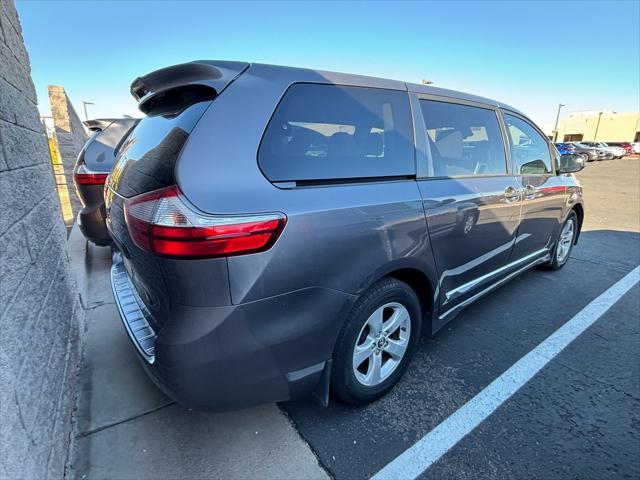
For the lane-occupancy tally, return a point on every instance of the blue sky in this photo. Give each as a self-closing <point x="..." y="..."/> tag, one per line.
<point x="532" y="55"/>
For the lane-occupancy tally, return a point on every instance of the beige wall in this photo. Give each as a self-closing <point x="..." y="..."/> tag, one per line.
<point x="613" y="127"/>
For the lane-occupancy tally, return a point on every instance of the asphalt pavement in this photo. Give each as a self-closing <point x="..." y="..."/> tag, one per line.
<point x="127" y="429"/>
<point x="579" y="417"/>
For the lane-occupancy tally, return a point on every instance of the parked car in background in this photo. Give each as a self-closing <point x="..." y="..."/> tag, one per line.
<point x="93" y="164"/>
<point x="604" y="155"/>
<point x="636" y="147"/>
<point x="628" y="149"/>
<point x="565" y="148"/>
<point x="570" y="149"/>
<point x="616" y="152"/>
<point x="591" y="153"/>
<point x="271" y="242"/>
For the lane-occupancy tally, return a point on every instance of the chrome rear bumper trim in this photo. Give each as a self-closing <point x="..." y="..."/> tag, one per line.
<point x="133" y="312"/>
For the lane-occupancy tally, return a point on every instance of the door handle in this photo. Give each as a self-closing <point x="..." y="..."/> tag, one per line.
<point x="529" y="192"/>
<point x="511" y="194"/>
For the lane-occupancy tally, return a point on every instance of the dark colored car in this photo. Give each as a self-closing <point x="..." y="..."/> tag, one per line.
<point x="280" y="231"/>
<point x="591" y="153"/>
<point x="570" y="149"/>
<point x="94" y="163"/>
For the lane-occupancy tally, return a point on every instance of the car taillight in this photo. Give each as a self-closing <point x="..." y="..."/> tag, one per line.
<point x="82" y="175"/>
<point x="161" y="222"/>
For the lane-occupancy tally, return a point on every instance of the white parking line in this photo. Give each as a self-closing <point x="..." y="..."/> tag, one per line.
<point x="415" y="460"/>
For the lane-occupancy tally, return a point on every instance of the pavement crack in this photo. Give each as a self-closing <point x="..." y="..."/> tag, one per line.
<point x="598" y="380"/>
<point x="94" y="305"/>
<point x="573" y="369"/>
<point x="602" y="264"/>
<point x="313" y="451"/>
<point x="120" y="422"/>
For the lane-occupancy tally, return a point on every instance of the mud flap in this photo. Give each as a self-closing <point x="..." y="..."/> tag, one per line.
<point x="321" y="393"/>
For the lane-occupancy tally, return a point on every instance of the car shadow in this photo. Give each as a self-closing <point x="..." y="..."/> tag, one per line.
<point x="452" y="366"/>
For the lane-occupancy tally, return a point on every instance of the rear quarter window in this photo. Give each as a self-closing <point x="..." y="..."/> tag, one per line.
<point x="147" y="157"/>
<point x="326" y="132"/>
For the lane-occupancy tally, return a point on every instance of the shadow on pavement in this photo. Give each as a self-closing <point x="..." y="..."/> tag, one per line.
<point x="466" y="355"/>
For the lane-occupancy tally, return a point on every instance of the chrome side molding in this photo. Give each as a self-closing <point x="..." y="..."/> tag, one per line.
<point x="521" y="265"/>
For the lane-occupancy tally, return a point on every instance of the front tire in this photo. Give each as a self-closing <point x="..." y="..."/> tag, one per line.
<point x="564" y="243"/>
<point x="376" y="342"/>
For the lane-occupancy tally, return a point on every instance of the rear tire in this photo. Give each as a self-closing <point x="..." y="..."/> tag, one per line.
<point x="376" y="342"/>
<point x="564" y="243"/>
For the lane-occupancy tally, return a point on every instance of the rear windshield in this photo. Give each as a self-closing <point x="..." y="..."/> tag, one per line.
<point x="146" y="159"/>
<point x="322" y="132"/>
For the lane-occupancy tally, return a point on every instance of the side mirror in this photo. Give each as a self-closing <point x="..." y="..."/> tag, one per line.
<point x="571" y="163"/>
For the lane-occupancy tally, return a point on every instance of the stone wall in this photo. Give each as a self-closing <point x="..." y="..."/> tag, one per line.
<point x="40" y="312"/>
<point x="70" y="137"/>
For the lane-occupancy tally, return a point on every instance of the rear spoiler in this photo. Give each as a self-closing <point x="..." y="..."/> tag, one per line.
<point x="98" y="124"/>
<point x="169" y="90"/>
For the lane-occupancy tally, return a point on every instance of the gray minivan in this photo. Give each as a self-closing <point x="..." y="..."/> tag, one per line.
<point x="280" y="231"/>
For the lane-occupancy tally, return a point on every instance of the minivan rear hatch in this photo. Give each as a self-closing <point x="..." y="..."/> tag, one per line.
<point x="174" y="100"/>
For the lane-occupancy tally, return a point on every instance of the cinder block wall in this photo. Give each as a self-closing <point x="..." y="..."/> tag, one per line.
<point x="40" y="311"/>
<point x="71" y="136"/>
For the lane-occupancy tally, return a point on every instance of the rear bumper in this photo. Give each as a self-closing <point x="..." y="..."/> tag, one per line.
<point x="222" y="358"/>
<point x="91" y="220"/>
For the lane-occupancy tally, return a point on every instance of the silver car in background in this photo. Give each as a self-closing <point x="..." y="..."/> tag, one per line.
<point x="592" y="153"/>
<point x="616" y="152"/>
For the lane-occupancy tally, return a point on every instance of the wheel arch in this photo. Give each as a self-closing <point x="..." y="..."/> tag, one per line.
<point x="421" y="278"/>
<point x="579" y="209"/>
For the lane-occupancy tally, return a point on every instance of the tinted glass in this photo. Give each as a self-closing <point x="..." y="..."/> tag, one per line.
<point x="529" y="149"/>
<point x="463" y="140"/>
<point x="147" y="157"/>
<point x="322" y="132"/>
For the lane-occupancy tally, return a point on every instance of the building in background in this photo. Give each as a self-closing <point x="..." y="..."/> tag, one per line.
<point x="599" y="125"/>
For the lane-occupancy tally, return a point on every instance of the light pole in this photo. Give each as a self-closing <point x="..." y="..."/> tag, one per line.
<point x="595" y="135"/>
<point x="555" y="129"/>
<point x="84" y="104"/>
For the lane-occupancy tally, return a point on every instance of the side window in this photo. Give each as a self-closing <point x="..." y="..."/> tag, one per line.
<point x="529" y="149"/>
<point x="322" y="132"/>
<point x="464" y="140"/>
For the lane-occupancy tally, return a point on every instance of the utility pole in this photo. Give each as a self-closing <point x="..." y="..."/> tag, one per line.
<point x="84" y="104"/>
<point x="555" y="129"/>
<point x="595" y="135"/>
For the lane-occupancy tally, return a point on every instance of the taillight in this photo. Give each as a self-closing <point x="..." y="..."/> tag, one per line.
<point x="161" y="222"/>
<point x="82" y="175"/>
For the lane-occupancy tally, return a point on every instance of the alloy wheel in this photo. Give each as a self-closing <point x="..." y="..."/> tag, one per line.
<point x="381" y="344"/>
<point x="565" y="241"/>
